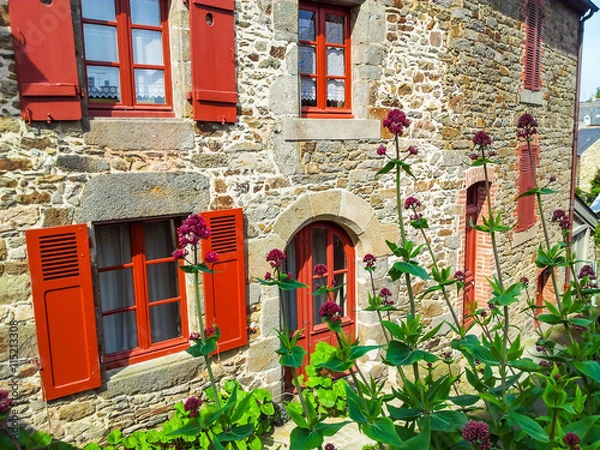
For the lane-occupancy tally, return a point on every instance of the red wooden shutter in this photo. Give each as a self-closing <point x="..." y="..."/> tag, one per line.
<point x="45" y="56"/>
<point x="63" y="302"/>
<point x="533" y="46"/>
<point x="526" y="205"/>
<point x="225" y="290"/>
<point x="213" y="60"/>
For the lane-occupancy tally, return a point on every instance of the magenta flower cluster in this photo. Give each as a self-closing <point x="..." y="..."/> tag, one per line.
<point x="330" y="446"/>
<point x="211" y="257"/>
<point x="192" y="230"/>
<point x="331" y="310"/>
<point x="587" y="271"/>
<point x="209" y="331"/>
<point x="482" y="138"/>
<point x="396" y="121"/>
<point x="524" y="281"/>
<point x="5" y="401"/>
<point x="195" y="336"/>
<point x="561" y="217"/>
<point x="276" y="258"/>
<point x="369" y="261"/>
<point x="381" y="150"/>
<point x="572" y="440"/>
<point x="477" y="433"/>
<point x="459" y="275"/>
<point x="411" y="202"/>
<point x="526" y="126"/>
<point x="192" y="405"/>
<point x="320" y="269"/>
<point x="386" y="297"/>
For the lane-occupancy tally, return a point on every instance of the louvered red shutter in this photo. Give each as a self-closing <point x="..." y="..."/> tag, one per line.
<point x="225" y="290"/>
<point x="63" y="302"/>
<point x="525" y="205"/>
<point x="45" y="57"/>
<point x="533" y="46"/>
<point x="214" y="93"/>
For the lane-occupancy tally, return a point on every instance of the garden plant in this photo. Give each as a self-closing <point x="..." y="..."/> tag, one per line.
<point x="486" y="391"/>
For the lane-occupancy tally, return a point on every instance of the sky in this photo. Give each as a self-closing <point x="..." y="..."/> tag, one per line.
<point x="590" y="70"/>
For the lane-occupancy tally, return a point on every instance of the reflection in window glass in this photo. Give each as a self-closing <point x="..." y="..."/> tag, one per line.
<point x="334" y="29"/>
<point x="98" y="9"/>
<point x="103" y="83"/>
<point x="147" y="47"/>
<point x="145" y="12"/>
<point x="336" y="93"/>
<point x="307" y="59"/>
<point x="150" y="86"/>
<point x="100" y="43"/>
<point x="306" y="25"/>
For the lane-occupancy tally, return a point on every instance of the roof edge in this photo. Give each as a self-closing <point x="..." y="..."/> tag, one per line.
<point x="582" y="6"/>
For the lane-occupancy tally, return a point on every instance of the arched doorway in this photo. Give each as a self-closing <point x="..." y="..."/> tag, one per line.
<point x="475" y="198"/>
<point x="320" y="243"/>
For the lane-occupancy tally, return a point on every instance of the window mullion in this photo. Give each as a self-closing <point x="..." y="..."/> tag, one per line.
<point x="321" y="61"/>
<point x="125" y="51"/>
<point x="139" y="285"/>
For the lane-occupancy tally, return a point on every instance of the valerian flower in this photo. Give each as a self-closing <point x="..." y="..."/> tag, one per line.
<point x="526" y="126"/>
<point x="369" y="261"/>
<point x="459" y="275"/>
<point x="268" y="276"/>
<point x="571" y="439"/>
<point x="209" y="331"/>
<point x="180" y="253"/>
<point x="411" y="202"/>
<point x="386" y="296"/>
<point x="331" y="310"/>
<point x="195" y="336"/>
<point x="524" y="281"/>
<point x="482" y="138"/>
<point x="211" y="257"/>
<point x="396" y="121"/>
<point x="587" y="271"/>
<point x="320" y="269"/>
<point x="5" y="401"/>
<point x="381" y="150"/>
<point x="562" y="218"/>
<point x="412" y="150"/>
<point x="192" y="230"/>
<point x="276" y="258"/>
<point x="552" y="178"/>
<point x="192" y="404"/>
<point x="330" y="446"/>
<point x="477" y="433"/>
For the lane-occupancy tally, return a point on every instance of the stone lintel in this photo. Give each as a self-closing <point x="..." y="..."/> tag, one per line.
<point x="524" y="236"/>
<point x="531" y="97"/>
<point x="330" y="129"/>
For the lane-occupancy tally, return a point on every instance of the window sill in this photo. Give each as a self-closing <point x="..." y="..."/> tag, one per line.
<point x="531" y="97"/>
<point x="330" y="129"/>
<point x="140" y="134"/>
<point x="520" y="237"/>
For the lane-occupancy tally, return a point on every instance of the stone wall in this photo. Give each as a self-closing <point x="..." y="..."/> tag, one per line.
<point x="589" y="163"/>
<point x="454" y="66"/>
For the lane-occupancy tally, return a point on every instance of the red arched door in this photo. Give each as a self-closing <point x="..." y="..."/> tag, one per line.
<point x="475" y="197"/>
<point x="320" y="243"/>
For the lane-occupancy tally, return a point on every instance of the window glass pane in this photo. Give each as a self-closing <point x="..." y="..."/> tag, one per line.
<point x="104" y="84"/>
<point x="147" y="47"/>
<point x="339" y="255"/>
<point x="308" y="91"/>
<point x="145" y="12"/>
<point x="116" y="289"/>
<point x="341" y="293"/>
<point x="307" y="59"/>
<point x="100" y="43"/>
<point x="150" y="86"/>
<point x="319" y="246"/>
<point x="113" y="245"/>
<point x="159" y="239"/>
<point x="334" y="29"/>
<point x="291" y="297"/>
<point x="165" y="322"/>
<point x="318" y="301"/>
<point x="98" y="9"/>
<point x="163" y="281"/>
<point x="336" y="93"/>
<point x="335" y="61"/>
<point x="306" y="25"/>
<point x="119" y="332"/>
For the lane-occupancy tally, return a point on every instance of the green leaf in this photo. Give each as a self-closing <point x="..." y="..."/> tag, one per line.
<point x="529" y="426"/>
<point x="382" y="430"/>
<point x="589" y="368"/>
<point x="464" y="400"/>
<point x="355" y="411"/>
<point x="401" y="267"/>
<point x="190" y="429"/>
<point x="289" y="284"/>
<point x="359" y="351"/>
<point x="203" y="349"/>
<point x="405" y="413"/>
<point x="237" y="433"/>
<point x="581" y="427"/>
<point x="406" y="167"/>
<point x="447" y="420"/>
<point x="296" y="413"/>
<point x="387" y="168"/>
<point x="526" y="365"/>
<point x="191" y="268"/>
<point x="114" y="437"/>
<point x="330" y="429"/>
<point x="549" y="319"/>
<point x="7" y="443"/>
<point x="293" y="357"/>
<point x="305" y="439"/>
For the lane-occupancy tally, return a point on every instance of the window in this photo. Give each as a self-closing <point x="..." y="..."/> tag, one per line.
<point x="533" y="45"/>
<point x="526" y="205"/>
<point x="126" y="57"/>
<point x="324" y="61"/>
<point x="141" y="289"/>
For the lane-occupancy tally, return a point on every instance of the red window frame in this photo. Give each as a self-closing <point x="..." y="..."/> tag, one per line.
<point x="146" y="349"/>
<point x="533" y="45"/>
<point x="321" y="77"/>
<point x="127" y="106"/>
<point x="526" y="205"/>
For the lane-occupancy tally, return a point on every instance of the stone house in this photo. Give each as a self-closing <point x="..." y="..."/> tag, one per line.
<point x="588" y="151"/>
<point x="120" y="118"/>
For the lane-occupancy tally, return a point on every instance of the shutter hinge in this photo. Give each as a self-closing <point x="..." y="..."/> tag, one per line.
<point x="189" y="96"/>
<point x="49" y="118"/>
<point x="27" y="115"/>
<point x="79" y="91"/>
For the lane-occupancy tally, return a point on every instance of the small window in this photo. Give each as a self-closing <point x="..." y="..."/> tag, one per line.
<point x="142" y="290"/>
<point x="127" y="57"/>
<point x="533" y="45"/>
<point x="324" y="61"/>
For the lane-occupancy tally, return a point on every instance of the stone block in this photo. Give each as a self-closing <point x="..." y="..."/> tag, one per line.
<point x="14" y="289"/>
<point x="140" y="134"/>
<point x="76" y="410"/>
<point x="293" y="218"/>
<point x="283" y="93"/>
<point x="326" y="204"/>
<point x="270" y="316"/>
<point x="262" y="356"/>
<point x="54" y="217"/>
<point x="356" y="209"/>
<point x="86" y="164"/>
<point x="257" y="250"/>
<point x="134" y="195"/>
<point x="9" y="125"/>
<point x="315" y="129"/>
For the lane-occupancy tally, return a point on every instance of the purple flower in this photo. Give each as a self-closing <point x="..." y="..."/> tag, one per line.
<point x="195" y="336"/>
<point x="558" y="214"/>
<point x="192" y="404"/>
<point x="320" y="269"/>
<point x="331" y="310"/>
<point x="474" y="156"/>
<point x="545" y="363"/>
<point x="180" y="253"/>
<point x="587" y="271"/>
<point x="211" y="257"/>
<point x="5" y="401"/>
<point x="268" y="276"/>
<point x="526" y="126"/>
<point x="396" y="121"/>
<point x="416" y="217"/>
<point x="209" y="331"/>
<point x="276" y="257"/>
<point x="482" y="138"/>
<point x="369" y="261"/>
<point x="552" y="178"/>
<point x="477" y="433"/>
<point x="571" y="439"/>
<point x="492" y="153"/>
<point x="386" y="296"/>
<point x="381" y="150"/>
<point x="192" y="230"/>
<point x="330" y="446"/>
<point x="412" y="150"/>
<point x="447" y="355"/>
<point x="459" y="275"/>
<point x="411" y="202"/>
<point x="524" y="281"/>
<point x="483" y="313"/>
